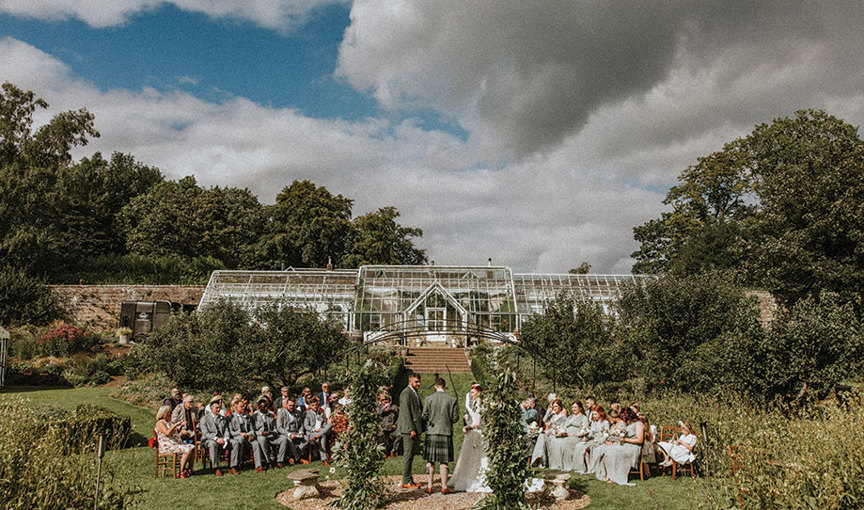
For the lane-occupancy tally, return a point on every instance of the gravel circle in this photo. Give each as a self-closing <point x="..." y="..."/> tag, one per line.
<point x="417" y="499"/>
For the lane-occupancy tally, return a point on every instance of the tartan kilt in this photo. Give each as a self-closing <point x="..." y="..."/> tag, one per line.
<point x="438" y="448"/>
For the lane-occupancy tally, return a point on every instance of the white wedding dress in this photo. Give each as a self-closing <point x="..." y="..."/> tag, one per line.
<point x="472" y="464"/>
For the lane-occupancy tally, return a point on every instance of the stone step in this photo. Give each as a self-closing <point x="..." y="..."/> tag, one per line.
<point x="439" y="360"/>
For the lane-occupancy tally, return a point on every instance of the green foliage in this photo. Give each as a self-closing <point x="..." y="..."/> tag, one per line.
<point x="37" y="373"/>
<point x="503" y="442"/>
<point x="64" y="340"/>
<point x="88" y="371"/>
<point x="576" y="338"/>
<point x="226" y="346"/>
<point x="360" y="453"/>
<point x="132" y="269"/>
<point x="149" y="391"/>
<point x="37" y="469"/>
<point x="781" y="206"/>
<point x="24" y="300"/>
<point x="376" y="238"/>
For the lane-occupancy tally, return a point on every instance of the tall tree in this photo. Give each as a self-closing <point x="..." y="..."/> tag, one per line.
<point x="378" y="239"/>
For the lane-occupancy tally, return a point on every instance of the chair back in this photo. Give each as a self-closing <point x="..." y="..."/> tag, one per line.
<point x="669" y="433"/>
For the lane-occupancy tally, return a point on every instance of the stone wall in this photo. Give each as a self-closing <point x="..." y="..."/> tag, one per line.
<point x="98" y="306"/>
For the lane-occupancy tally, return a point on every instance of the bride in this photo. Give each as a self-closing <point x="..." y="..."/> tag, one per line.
<point x="470" y="472"/>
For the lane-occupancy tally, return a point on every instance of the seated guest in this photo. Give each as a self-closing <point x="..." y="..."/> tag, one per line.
<point x="388" y="413"/>
<point x="237" y="397"/>
<point x="554" y="421"/>
<point x="174" y="400"/>
<point x="561" y="449"/>
<point x="168" y="434"/>
<point x="265" y="431"/>
<point x="597" y="432"/>
<point x="289" y="424"/>
<point x="529" y="413"/>
<point x="316" y="426"/>
<point x="324" y="396"/>
<point x="345" y="401"/>
<point x="614" y="462"/>
<point x="242" y="431"/>
<point x="214" y="433"/>
<point x="208" y="409"/>
<point x="649" y="449"/>
<point x="304" y="396"/>
<point x="338" y="421"/>
<point x="283" y="394"/>
<point x="186" y="416"/>
<point x="681" y="449"/>
<point x="590" y="402"/>
<point x="614" y="406"/>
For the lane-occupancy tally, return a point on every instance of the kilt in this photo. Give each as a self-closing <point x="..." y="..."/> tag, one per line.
<point x="438" y="448"/>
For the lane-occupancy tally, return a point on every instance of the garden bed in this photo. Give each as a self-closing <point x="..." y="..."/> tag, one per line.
<point x="415" y="499"/>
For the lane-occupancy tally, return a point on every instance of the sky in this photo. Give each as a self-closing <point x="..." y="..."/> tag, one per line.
<point x="535" y="133"/>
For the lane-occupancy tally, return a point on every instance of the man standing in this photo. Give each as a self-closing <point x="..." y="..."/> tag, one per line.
<point x="409" y="426"/>
<point x="439" y="413"/>
<point x="187" y="416"/>
<point x="214" y="433"/>
<point x="290" y="427"/>
<point x="317" y="427"/>
<point x="242" y="432"/>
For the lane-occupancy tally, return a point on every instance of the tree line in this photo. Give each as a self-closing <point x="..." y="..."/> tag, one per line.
<point x="119" y="220"/>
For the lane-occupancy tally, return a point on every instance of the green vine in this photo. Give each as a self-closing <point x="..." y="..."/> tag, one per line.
<point x="502" y="440"/>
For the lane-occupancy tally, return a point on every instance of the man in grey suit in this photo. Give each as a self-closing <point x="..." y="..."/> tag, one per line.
<point x="265" y="432"/>
<point x="289" y="424"/>
<point x="242" y="432"/>
<point x="214" y="433"/>
<point x="186" y="414"/>
<point x="409" y="426"/>
<point x="317" y="427"/>
<point x="440" y="412"/>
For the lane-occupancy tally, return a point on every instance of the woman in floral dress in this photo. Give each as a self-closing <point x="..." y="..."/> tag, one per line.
<point x="168" y="435"/>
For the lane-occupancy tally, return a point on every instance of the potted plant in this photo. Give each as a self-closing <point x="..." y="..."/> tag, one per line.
<point x="123" y="335"/>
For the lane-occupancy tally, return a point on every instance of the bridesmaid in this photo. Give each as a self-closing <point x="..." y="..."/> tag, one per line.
<point x="614" y="463"/>
<point x="561" y="449"/>
<point x="596" y="436"/>
<point x="556" y="418"/>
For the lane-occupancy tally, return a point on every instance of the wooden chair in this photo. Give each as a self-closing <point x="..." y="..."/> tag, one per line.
<point x="165" y="460"/>
<point x="685" y="468"/>
<point x="669" y="433"/>
<point x="642" y="469"/>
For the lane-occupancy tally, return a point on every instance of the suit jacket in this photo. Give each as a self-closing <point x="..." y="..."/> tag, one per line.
<point x="288" y="423"/>
<point x="388" y="418"/>
<point x="310" y="419"/>
<point x="179" y="416"/>
<point x="264" y="422"/>
<point x="440" y="412"/>
<point x="240" y="423"/>
<point x="213" y="427"/>
<point x="410" y="412"/>
<point x="320" y="396"/>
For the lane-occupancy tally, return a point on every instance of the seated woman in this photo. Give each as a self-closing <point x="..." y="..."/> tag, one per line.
<point x="555" y="421"/>
<point x="561" y="448"/>
<point x="649" y="448"/>
<point x="596" y="436"/>
<point x="169" y="439"/>
<point x="680" y="450"/>
<point x="614" y="462"/>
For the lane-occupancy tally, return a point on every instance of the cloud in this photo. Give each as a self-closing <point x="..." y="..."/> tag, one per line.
<point x="273" y="14"/>
<point x="526" y="77"/>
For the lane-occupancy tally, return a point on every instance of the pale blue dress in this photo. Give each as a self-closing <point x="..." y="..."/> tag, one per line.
<point x="616" y="461"/>
<point x="541" y="447"/>
<point x="562" y="449"/>
<point x="596" y="437"/>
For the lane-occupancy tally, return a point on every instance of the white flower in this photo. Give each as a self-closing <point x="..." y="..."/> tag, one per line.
<point x="332" y="470"/>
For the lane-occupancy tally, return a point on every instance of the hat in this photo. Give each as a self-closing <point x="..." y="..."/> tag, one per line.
<point x="216" y="398"/>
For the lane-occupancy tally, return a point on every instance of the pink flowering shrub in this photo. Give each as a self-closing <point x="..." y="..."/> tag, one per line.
<point x="63" y="341"/>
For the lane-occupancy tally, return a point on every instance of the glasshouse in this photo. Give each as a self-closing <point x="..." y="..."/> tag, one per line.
<point x="440" y="303"/>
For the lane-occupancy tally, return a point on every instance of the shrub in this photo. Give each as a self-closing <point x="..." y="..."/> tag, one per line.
<point x="63" y="340"/>
<point x="140" y="270"/>
<point x="37" y="471"/>
<point x="88" y="371"/>
<point x="22" y="343"/>
<point x="148" y="391"/>
<point x="44" y="372"/>
<point x="24" y="300"/>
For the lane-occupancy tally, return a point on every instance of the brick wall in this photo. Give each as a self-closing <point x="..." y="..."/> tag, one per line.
<point x="98" y="306"/>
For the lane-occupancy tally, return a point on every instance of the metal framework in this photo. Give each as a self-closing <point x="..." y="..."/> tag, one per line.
<point x="4" y="345"/>
<point x="435" y="302"/>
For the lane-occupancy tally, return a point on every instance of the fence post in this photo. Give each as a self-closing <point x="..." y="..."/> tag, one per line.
<point x="100" y="452"/>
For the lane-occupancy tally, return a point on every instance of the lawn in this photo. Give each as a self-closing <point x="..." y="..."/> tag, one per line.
<point x="251" y="490"/>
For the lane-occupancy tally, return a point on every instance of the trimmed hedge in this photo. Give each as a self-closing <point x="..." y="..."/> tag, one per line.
<point x="79" y="431"/>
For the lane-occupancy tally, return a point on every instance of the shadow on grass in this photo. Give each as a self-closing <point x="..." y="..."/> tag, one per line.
<point x="135" y="440"/>
<point x="28" y="389"/>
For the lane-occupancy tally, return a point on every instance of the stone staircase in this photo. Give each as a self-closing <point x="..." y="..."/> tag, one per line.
<point x="431" y="360"/>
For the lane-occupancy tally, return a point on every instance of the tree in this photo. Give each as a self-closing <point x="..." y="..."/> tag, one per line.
<point x="583" y="268"/>
<point x="24" y="300"/>
<point x="376" y="238"/>
<point x="306" y="227"/>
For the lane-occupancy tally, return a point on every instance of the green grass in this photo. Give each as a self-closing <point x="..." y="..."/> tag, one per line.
<point x="251" y="490"/>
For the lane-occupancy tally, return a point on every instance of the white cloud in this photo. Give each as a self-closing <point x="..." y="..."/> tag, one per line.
<point x="273" y="14"/>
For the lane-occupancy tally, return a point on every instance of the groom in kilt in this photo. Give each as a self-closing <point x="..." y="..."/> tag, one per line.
<point x="439" y="414"/>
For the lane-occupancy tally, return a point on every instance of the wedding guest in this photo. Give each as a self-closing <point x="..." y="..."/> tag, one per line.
<point x="388" y="414"/>
<point x="214" y="433"/>
<point x="168" y="435"/>
<point x="186" y="416"/>
<point x="541" y="412"/>
<point x="304" y="396"/>
<point x="339" y="422"/>
<point x="174" y="400"/>
<point x="649" y="448"/>
<point x="590" y="402"/>
<point x="208" y="409"/>
<point x="316" y="426"/>
<point x="554" y="421"/>
<point x="615" y="406"/>
<point x="529" y="414"/>
<point x="614" y="462"/>
<point x="324" y="396"/>
<point x="681" y="449"/>
<point x="345" y="401"/>
<point x="598" y="430"/>
<point x="289" y="424"/>
<point x="561" y="450"/>
<point x="265" y="431"/>
<point x="242" y="430"/>
<point x="283" y="394"/>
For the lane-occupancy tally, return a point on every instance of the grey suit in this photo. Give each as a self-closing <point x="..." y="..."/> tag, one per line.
<point x="239" y="424"/>
<point x="409" y="420"/>
<point x="320" y="437"/>
<point x="179" y="416"/>
<point x="214" y="427"/>
<point x="266" y="422"/>
<point x="439" y="414"/>
<point x="291" y="424"/>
